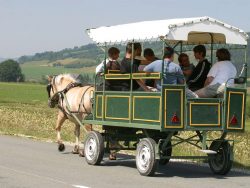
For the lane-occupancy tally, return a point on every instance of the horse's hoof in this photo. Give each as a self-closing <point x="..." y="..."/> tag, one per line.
<point x="61" y="147"/>
<point x="81" y="153"/>
<point x="76" y="150"/>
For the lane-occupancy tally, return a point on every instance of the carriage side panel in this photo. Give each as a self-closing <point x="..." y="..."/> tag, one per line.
<point x="173" y="116"/>
<point x="204" y="114"/>
<point x="235" y="108"/>
<point x="146" y="108"/>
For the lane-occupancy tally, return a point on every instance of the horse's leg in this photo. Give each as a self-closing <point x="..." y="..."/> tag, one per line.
<point x="76" y="149"/>
<point x="60" y="120"/>
<point x="77" y="135"/>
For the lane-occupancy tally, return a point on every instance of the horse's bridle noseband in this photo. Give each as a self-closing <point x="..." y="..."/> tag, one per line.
<point x="52" y="100"/>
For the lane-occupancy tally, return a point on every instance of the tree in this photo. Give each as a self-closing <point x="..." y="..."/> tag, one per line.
<point x="10" y="71"/>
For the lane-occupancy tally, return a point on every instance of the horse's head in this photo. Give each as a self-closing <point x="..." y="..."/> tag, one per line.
<point x="57" y="84"/>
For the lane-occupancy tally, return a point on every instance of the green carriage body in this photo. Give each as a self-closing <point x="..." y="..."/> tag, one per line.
<point x="170" y="110"/>
<point x="160" y="116"/>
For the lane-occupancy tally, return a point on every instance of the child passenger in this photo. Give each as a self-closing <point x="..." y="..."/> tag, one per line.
<point x="186" y="67"/>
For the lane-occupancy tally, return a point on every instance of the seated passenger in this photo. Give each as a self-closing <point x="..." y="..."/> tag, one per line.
<point x="111" y="62"/>
<point x="219" y="74"/>
<point x="198" y="77"/>
<point x="126" y="67"/>
<point x="172" y="73"/>
<point x="186" y="67"/>
<point x="149" y="56"/>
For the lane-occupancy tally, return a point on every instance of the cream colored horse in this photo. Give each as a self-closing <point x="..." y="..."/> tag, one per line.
<point x="79" y="102"/>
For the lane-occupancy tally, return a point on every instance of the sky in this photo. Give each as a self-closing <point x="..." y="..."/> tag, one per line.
<point x="31" y="26"/>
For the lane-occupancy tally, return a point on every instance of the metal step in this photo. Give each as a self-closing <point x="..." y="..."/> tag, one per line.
<point x="207" y="151"/>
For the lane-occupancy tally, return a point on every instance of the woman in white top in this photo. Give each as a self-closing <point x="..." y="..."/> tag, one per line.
<point x="219" y="74"/>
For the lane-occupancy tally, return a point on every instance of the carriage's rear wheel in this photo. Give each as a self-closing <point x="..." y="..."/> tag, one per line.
<point x="221" y="162"/>
<point x="94" y="148"/>
<point x="145" y="157"/>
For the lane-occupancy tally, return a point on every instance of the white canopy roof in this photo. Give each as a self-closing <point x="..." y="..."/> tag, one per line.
<point x="198" y="30"/>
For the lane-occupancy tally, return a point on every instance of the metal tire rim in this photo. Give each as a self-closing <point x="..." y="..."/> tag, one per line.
<point x="144" y="158"/>
<point x="91" y="149"/>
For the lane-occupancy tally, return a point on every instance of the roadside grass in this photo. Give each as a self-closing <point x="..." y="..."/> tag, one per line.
<point x="24" y="110"/>
<point x="241" y="148"/>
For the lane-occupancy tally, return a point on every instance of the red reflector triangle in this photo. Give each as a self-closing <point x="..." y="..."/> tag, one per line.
<point x="175" y="119"/>
<point x="233" y="120"/>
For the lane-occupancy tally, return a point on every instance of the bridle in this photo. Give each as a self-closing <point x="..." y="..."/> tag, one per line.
<point x="52" y="100"/>
<point x="59" y="95"/>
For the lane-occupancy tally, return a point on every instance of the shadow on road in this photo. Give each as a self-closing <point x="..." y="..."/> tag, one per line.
<point x="174" y="169"/>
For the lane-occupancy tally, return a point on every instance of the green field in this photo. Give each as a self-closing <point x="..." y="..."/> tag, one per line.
<point x="34" y="71"/>
<point x="24" y="110"/>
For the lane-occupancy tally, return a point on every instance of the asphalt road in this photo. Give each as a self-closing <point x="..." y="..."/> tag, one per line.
<point x="34" y="164"/>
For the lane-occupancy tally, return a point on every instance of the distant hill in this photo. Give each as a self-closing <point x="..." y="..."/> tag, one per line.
<point x="88" y="56"/>
<point x="89" y="53"/>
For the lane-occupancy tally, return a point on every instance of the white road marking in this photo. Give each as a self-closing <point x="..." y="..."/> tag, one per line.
<point x="79" y="186"/>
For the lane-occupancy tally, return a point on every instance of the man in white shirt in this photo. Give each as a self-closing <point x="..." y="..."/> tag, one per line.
<point x="223" y="72"/>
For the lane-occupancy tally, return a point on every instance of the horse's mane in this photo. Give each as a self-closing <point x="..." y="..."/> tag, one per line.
<point x="69" y="77"/>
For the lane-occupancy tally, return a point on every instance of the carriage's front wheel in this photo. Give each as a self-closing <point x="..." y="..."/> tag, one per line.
<point x="94" y="148"/>
<point x="221" y="162"/>
<point x="145" y="157"/>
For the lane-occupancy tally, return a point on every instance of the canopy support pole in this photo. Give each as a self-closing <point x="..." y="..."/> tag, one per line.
<point x="212" y="47"/>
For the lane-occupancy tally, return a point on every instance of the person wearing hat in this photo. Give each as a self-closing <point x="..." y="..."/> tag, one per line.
<point x="172" y="73"/>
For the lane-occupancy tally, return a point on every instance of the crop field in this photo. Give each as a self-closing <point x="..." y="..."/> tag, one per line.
<point x="36" y="70"/>
<point x="24" y="111"/>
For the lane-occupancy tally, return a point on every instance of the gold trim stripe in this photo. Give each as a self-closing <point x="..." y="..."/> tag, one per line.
<point x="117" y="76"/>
<point x="155" y="75"/>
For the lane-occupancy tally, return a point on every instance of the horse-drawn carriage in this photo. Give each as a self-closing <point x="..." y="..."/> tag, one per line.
<point x="150" y="122"/>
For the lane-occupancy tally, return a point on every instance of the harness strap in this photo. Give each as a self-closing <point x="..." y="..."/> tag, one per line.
<point x="63" y="93"/>
<point x="82" y="102"/>
<point x="70" y="86"/>
<point x="63" y="110"/>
